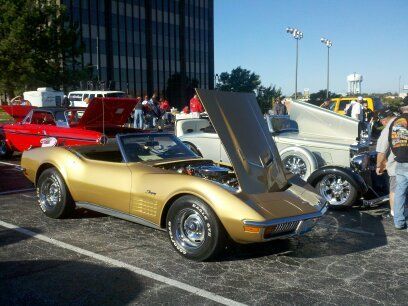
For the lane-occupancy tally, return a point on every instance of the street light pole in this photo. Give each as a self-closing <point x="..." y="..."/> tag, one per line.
<point x="297" y="34"/>
<point x="328" y="44"/>
<point x="297" y="61"/>
<point x="399" y="85"/>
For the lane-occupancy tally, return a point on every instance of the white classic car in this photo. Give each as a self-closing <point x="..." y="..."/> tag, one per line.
<point x="319" y="145"/>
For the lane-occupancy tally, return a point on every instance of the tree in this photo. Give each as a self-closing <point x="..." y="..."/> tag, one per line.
<point x="38" y="45"/>
<point x="241" y="80"/>
<point x="393" y="103"/>
<point x="266" y="96"/>
<point x="318" y="98"/>
<point x="405" y="100"/>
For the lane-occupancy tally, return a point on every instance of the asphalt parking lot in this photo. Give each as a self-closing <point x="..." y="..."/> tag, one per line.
<point x="352" y="257"/>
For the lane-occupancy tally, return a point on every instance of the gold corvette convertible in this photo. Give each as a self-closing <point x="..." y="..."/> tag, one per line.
<point x="155" y="180"/>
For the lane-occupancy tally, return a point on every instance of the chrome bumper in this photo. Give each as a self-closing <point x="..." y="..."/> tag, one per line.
<point x="290" y="226"/>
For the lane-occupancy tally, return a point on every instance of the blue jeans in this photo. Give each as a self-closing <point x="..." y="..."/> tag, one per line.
<point x="400" y="200"/>
<point x="138" y="119"/>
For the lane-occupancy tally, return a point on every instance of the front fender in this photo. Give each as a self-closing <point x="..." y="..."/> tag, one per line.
<point x="353" y="177"/>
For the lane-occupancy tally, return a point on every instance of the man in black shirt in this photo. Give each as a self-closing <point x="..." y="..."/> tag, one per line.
<point x="368" y="113"/>
<point x="368" y="118"/>
<point x="398" y="139"/>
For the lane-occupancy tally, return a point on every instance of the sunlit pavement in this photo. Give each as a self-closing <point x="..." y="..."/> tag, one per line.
<point x="353" y="257"/>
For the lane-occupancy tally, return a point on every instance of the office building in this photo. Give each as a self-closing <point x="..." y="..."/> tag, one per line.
<point x="147" y="46"/>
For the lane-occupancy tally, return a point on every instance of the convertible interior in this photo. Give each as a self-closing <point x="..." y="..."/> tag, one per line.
<point x="137" y="148"/>
<point x="109" y="152"/>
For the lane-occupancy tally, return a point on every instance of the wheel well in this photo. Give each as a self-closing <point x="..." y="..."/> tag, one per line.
<point x="41" y="169"/>
<point x="167" y="207"/>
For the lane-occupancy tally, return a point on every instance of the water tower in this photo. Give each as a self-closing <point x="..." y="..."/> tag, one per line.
<point x="354" y="83"/>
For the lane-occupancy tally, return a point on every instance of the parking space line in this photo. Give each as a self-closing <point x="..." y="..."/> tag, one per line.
<point x="16" y="191"/>
<point x="113" y="262"/>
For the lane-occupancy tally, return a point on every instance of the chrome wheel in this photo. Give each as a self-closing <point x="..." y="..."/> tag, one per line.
<point x="190" y="229"/>
<point x="296" y="165"/>
<point x="335" y="189"/>
<point x="49" y="193"/>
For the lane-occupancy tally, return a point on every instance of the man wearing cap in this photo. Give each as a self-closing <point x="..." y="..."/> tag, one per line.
<point x="385" y="157"/>
<point x="398" y="139"/>
<point x="357" y="109"/>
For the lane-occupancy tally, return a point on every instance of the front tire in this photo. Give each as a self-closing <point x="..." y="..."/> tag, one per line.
<point x="53" y="195"/>
<point x="337" y="190"/>
<point x="194" y="229"/>
<point x="5" y="151"/>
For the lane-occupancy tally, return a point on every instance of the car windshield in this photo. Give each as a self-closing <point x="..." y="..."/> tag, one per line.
<point x="280" y="124"/>
<point x="60" y="119"/>
<point x="73" y="116"/>
<point x="140" y="147"/>
<point x="116" y="95"/>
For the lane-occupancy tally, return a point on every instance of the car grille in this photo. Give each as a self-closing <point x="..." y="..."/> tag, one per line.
<point x="281" y="229"/>
<point x="287" y="227"/>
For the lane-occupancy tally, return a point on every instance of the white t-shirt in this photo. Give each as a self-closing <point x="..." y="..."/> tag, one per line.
<point x="357" y="111"/>
<point x="383" y="146"/>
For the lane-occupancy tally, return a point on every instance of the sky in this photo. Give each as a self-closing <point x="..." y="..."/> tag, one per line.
<point x="370" y="37"/>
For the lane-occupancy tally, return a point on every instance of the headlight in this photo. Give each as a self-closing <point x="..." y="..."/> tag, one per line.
<point x="360" y="162"/>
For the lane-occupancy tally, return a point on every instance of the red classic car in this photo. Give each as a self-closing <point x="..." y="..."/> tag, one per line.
<point x="56" y="126"/>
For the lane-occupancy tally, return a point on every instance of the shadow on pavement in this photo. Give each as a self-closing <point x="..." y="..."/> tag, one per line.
<point x="82" y="213"/>
<point x="11" y="178"/>
<point x="338" y="233"/>
<point x="8" y="237"/>
<point x="54" y="282"/>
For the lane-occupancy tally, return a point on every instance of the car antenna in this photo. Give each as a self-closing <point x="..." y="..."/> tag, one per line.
<point x="103" y="115"/>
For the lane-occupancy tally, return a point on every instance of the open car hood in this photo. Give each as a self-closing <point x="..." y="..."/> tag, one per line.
<point x="321" y="123"/>
<point x="107" y="111"/>
<point x="18" y="112"/>
<point x="244" y="133"/>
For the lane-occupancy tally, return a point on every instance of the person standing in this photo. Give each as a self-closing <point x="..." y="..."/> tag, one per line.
<point x="368" y="118"/>
<point x="138" y="114"/>
<point x="279" y="107"/>
<point x="398" y="140"/>
<point x="147" y="113"/>
<point x="357" y="109"/>
<point x="165" y="109"/>
<point x="385" y="157"/>
<point x="195" y="105"/>
<point x="154" y="110"/>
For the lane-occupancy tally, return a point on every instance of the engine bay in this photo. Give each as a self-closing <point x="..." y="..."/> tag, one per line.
<point x="206" y="169"/>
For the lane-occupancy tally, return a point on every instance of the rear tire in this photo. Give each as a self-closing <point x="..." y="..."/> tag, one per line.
<point x="53" y="195"/>
<point x="194" y="229"/>
<point x="5" y="151"/>
<point x="299" y="161"/>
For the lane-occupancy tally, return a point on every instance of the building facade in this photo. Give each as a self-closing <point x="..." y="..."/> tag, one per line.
<point x="147" y="46"/>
